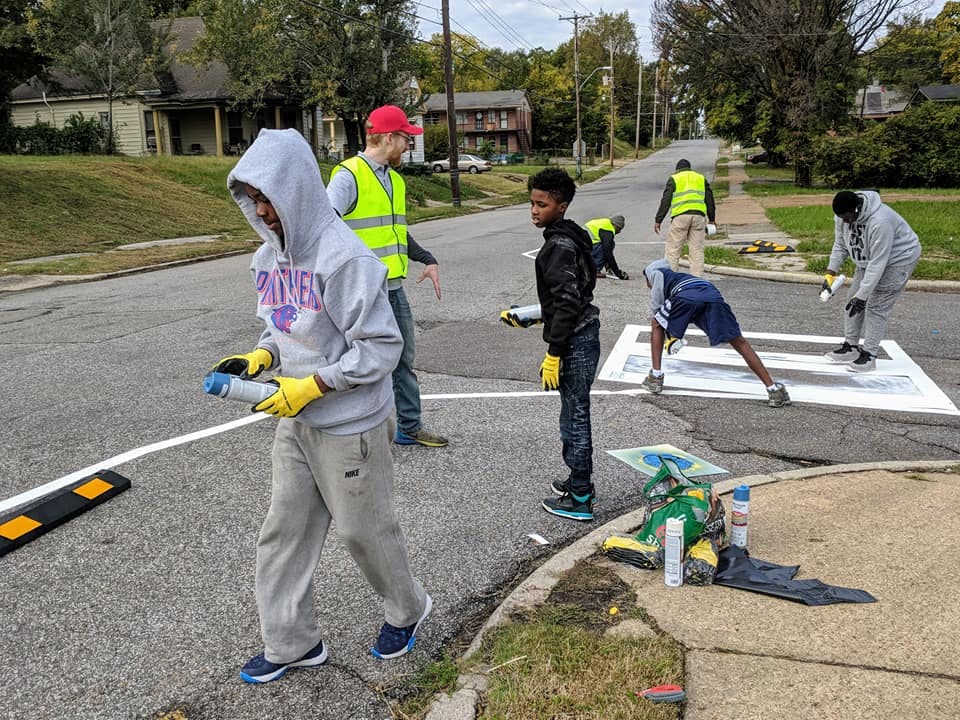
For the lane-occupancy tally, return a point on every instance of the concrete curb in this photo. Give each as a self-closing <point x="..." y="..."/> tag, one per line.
<point x="535" y="589"/>
<point x="944" y="286"/>
<point x="20" y="283"/>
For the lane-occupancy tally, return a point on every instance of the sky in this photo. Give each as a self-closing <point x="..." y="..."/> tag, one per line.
<point x="526" y="24"/>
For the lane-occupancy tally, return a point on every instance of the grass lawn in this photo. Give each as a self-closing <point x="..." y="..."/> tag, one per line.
<point x="557" y="661"/>
<point x="936" y="223"/>
<point x="93" y="204"/>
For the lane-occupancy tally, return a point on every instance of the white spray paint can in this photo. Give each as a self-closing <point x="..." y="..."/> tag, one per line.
<point x="741" y="516"/>
<point x="673" y="553"/>
<point x="829" y="292"/>
<point x="231" y="387"/>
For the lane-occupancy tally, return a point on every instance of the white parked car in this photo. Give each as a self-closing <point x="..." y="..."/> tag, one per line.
<point x="470" y="163"/>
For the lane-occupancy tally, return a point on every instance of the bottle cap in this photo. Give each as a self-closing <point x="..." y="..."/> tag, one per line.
<point x="674" y="526"/>
<point x="216" y="383"/>
<point x="742" y="492"/>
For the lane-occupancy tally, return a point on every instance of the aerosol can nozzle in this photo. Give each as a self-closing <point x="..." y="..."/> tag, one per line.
<point x="829" y="292"/>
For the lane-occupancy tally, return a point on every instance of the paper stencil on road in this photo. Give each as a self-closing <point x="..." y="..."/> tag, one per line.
<point x="898" y="383"/>
<point x="647" y="460"/>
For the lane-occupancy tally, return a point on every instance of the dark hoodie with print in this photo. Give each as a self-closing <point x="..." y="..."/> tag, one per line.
<point x="566" y="277"/>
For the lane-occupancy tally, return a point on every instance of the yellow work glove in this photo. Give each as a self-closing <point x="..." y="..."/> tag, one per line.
<point x="245" y="366"/>
<point x="828" y="278"/>
<point x="294" y="394"/>
<point x="508" y="318"/>
<point x="550" y="372"/>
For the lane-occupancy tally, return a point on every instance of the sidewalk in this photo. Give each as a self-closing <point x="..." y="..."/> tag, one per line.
<point x="886" y="528"/>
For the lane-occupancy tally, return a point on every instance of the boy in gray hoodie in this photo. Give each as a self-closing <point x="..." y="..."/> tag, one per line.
<point x="885" y="250"/>
<point x="331" y="337"/>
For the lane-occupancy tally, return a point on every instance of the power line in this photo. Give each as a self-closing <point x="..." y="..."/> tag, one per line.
<point x="501" y="26"/>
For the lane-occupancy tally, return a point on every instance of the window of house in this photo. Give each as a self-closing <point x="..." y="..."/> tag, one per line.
<point x="149" y="131"/>
<point x="503" y="119"/>
<point x="431" y="119"/>
<point x="492" y="118"/>
<point x="478" y="121"/>
<point x="479" y="141"/>
<point x="461" y="118"/>
<point x="105" y="119"/>
<point x="504" y="142"/>
<point x="234" y="128"/>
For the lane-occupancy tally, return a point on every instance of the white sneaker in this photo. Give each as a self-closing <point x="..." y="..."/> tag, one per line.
<point x="846" y="353"/>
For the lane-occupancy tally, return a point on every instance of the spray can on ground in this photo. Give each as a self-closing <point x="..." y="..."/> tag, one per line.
<point x="673" y="553"/>
<point x="231" y="387"/>
<point x="741" y="515"/>
<point x="829" y="292"/>
<point x="527" y="315"/>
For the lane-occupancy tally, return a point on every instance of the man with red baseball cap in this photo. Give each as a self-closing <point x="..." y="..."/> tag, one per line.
<point x="371" y="198"/>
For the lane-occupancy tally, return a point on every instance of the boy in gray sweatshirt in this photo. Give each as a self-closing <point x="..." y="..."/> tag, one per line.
<point x="331" y="337"/>
<point x="885" y="250"/>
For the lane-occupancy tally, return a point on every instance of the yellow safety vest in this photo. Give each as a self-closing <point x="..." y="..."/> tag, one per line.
<point x="690" y="193"/>
<point x="382" y="225"/>
<point x="595" y="226"/>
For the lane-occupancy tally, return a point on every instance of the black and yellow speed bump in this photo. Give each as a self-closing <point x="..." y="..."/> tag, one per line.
<point x="765" y="246"/>
<point x="23" y="525"/>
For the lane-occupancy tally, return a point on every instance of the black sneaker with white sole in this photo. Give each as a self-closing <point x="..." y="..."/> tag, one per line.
<point x="865" y="362"/>
<point x="846" y="353"/>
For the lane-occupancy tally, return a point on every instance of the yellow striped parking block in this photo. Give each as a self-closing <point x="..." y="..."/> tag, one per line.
<point x="23" y="525"/>
<point x="765" y="246"/>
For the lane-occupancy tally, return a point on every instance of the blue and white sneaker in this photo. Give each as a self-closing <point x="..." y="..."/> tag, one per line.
<point x="570" y="506"/>
<point x="394" y="641"/>
<point x="260" y="670"/>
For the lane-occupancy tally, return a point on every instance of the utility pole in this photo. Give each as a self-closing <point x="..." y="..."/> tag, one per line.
<point x="612" y="76"/>
<point x="636" y="142"/>
<point x="653" y="131"/>
<point x="578" y="143"/>
<point x="454" y="152"/>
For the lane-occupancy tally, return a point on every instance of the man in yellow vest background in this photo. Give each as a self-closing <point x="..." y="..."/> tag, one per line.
<point x="689" y="200"/>
<point x="602" y="232"/>
<point x="371" y="198"/>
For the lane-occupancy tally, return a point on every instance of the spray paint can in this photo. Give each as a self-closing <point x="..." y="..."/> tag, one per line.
<point x="829" y="292"/>
<point x="711" y="229"/>
<point x="674" y="345"/>
<point x="527" y="315"/>
<point x="673" y="553"/>
<point x="741" y="516"/>
<point x="231" y="387"/>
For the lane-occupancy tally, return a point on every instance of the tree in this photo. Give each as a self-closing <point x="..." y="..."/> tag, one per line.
<point x="346" y="56"/>
<point x="109" y="45"/>
<point x="791" y="60"/>
<point x="948" y="24"/>
<point x="19" y="59"/>
<point x="908" y="56"/>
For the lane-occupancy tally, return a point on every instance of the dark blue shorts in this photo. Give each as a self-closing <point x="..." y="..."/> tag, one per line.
<point x="714" y="317"/>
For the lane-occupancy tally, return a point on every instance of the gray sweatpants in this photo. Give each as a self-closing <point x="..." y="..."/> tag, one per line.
<point x="318" y="477"/>
<point x="871" y="324"/>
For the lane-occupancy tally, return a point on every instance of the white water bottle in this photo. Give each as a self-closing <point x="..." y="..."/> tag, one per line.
<point x="741" y="516"/>
<point x="829" y="292"/>
<point x="231" y="387"/>
<point x="673" y="553"/>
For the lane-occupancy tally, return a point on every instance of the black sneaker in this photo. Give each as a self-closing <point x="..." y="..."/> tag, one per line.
<point x="570" y="506"/>
<point x="864" y="363"/>
<point x="394" y="641"/>
<point x="260" y="670"/>
<point x="560" y="488"/>
<point x="846" y="353"/>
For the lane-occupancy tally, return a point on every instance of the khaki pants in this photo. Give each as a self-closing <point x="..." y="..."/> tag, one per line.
<point x="317" y="478"/>
<point x="692" y="230"/>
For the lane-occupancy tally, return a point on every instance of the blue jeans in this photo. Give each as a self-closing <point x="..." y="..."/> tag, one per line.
<point x="577" y="370"/>
<point x="406" y="389"/>
<point x="597" y="253"/>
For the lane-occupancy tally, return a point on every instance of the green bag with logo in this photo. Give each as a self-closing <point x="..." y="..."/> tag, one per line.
<point x="691" y="503"/>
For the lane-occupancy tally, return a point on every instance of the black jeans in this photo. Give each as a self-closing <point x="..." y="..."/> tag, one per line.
<point x="577" y="370"/>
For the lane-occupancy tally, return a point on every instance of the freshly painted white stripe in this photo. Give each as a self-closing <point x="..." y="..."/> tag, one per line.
<point x="52" y="486"/>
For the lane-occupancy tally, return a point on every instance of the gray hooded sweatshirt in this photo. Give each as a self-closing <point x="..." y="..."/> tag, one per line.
<point x="878" y="238"/>
<point x="322" y="294"/>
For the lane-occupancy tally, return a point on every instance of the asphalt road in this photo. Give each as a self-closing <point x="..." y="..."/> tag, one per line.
<point x="146" y="603"/>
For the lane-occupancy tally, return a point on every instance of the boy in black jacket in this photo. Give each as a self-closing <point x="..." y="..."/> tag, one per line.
<point x="566" y="276"/>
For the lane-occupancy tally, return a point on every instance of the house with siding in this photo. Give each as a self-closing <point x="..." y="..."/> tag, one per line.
<point x="188" y="111"/>
<point x="500" y="117"/>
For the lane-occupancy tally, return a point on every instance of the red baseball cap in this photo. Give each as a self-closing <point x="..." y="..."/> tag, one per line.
<point x="390" y="118"/>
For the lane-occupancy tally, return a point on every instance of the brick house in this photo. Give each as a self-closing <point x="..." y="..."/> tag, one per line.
<point x="500" y="117"/>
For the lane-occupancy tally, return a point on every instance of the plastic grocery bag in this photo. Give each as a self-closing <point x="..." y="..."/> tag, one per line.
<point x="689" y="503"/>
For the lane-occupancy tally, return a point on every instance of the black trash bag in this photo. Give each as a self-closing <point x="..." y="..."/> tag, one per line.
<point x="737" y="569"/>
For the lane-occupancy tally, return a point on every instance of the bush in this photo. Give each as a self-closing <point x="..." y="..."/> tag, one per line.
<point x="918" y="148"/>
<point x="78" y="135"/>
<point x="81" y="135"/>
